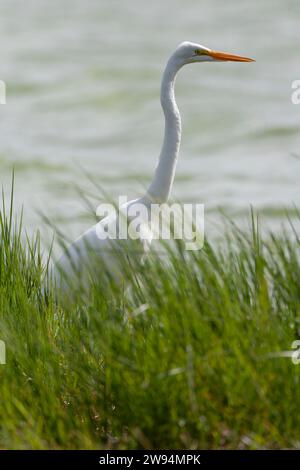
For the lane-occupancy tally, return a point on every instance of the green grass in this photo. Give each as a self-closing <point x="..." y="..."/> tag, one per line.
<point x="181" y="359"/>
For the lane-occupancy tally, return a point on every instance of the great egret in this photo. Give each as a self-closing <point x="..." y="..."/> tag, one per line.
<point x="89" y="246"/>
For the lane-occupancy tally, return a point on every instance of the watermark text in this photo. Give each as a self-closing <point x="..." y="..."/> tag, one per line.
<point x="151" y="221"/>
<point x="295" y="97"/>
<point x="2" y="92"/>
<point x="2" y="353"/>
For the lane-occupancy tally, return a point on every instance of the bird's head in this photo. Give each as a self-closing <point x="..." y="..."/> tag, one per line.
<point x="190" y="52"/>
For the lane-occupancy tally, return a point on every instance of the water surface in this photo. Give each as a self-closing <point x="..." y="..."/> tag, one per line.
<point x="83" y="84"/>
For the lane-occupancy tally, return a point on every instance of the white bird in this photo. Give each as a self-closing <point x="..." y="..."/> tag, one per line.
<point x="89" y="247"/>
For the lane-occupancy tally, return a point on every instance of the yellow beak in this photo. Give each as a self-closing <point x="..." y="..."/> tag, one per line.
<point x="225" y="56"/>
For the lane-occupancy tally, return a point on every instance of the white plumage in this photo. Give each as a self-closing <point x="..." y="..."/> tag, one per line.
<point x="91" y="251"/>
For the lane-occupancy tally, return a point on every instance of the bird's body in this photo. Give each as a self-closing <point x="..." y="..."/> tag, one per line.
<point x="91" y="252"/>
<point x="90" y="248"/>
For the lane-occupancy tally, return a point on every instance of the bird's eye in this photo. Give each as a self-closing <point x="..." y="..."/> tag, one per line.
<point x="197" y="52"/>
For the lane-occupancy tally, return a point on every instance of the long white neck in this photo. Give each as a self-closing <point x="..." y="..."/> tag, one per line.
<point x="162" y="182"/>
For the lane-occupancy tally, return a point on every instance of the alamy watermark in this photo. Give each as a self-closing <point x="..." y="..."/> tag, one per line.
<point x="2" y="92"/>
<point x="295" y="97"/>
<point x="296" y="352"/>
<point x="293" y="354"/>
<point x="150" y="221"/>
<point x="2" y="353"/>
